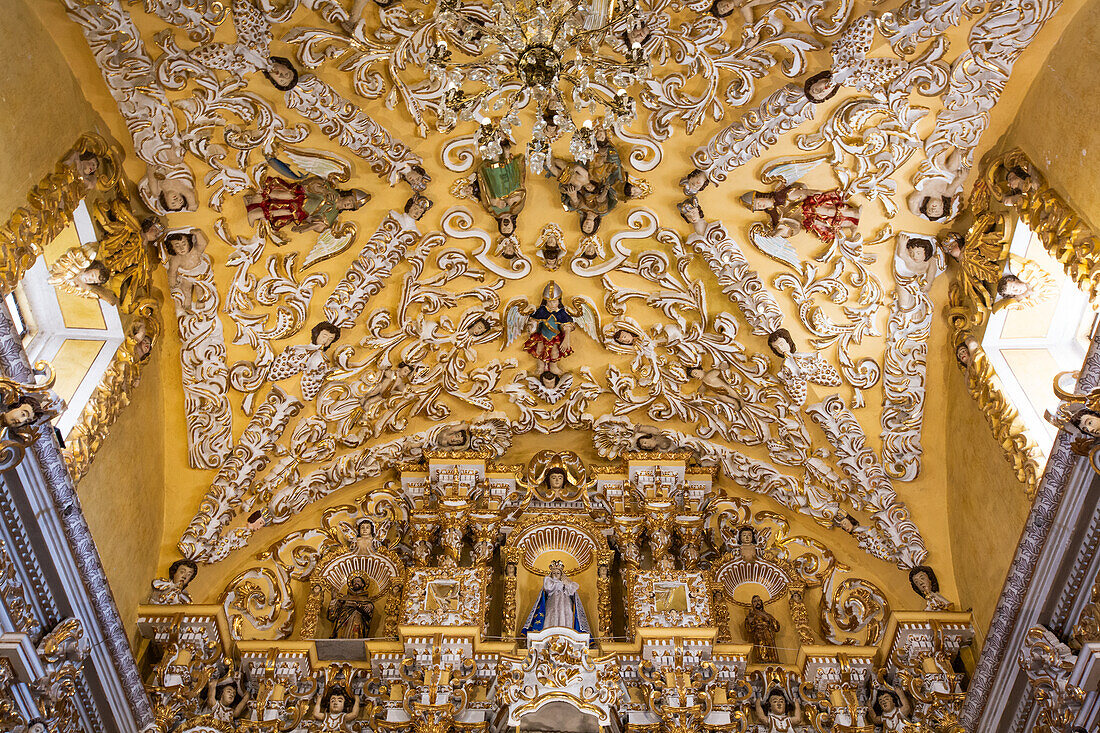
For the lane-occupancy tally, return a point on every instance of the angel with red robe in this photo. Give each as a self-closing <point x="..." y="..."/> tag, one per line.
<point x="550" y="326"/>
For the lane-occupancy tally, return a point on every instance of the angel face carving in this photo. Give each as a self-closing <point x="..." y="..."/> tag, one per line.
<point x="692" y="213"/>
<point x="550" y="326"/>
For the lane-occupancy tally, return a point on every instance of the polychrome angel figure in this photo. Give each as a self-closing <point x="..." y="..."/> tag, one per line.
<point x="851" y="68"/>
<point x="85" y="166"/>
<point x="924" y="582"/>
<point x="225" y="699"/>
<point x="980" y="255"/>
<point x="692" y="213"/>
<point x="800" y="368"/>
<point x="777" y="715"/>
<point x="890" y="710"/>
<point x="78" y="272"/>
<point x="558" y="605"/>
<point x="306" y="202"/>
<point x="172" y="591"/>
<point x="550" y="247"/>
<point x="793" y="208"/>
<point x="332" y="710"/>
<point x="1018" y="179"/>
<point x="551" y="325"/>
<point x="308" y="360"/>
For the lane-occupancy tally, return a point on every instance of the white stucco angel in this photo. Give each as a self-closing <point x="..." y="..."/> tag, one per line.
<point x="550" y="326"/>
<point x="800" y="368"/>
<point x="917" y="262"/>
<point x="187" y="265"/>
<point x="851" y="67"/>
<point x="250" y="53"/>
<point x="309" y="360"/>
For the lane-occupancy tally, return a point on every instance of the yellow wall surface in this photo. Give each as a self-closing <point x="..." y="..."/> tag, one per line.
<point x="39" y="93"/>
<point x="1056" y="125"/>
<point x="986" y="503"/>
<point x="1044" y="109"/>
<point x="44" y="112"/>
<point x="123" y="494"/>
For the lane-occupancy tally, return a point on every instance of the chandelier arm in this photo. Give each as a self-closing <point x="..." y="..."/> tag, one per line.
<point x="519" y="26"/>
<point x="565" y="17"/>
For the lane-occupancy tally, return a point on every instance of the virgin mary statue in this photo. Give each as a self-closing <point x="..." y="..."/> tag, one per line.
<point x="558" y="605"/>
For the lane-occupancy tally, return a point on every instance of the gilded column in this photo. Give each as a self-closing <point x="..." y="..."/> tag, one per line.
<point x="312" y="611"/>
<point x="721" y="613"/>
<point x="508" y="624"/>
<point x="801" y="618"/>
<point x="603" y="598"/>
<point x="393" y="610"/>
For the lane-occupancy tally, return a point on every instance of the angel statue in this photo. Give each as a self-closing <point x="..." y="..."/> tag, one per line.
<point x="558" y="605"/>
<point x="550" y="325"/>
<point x="307" y="202"/>
<point x="351" y="613"/>
<point x="119" y="254"/>
<point x="800" y="368"/>
<point x="24" y="407"/>
<point x="793" y="208"/>
<point x="310" y="360"/>
<point x="360" y="538"/>
<point x="980" y="256"/>
<point x="224" y="698"/>
<point x="78" y="272"/>
<point x="851" y="68"/>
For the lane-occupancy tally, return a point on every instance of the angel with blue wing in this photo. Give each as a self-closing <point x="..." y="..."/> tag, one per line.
<point x="306" y="201"/>
<point x="550" y="326"/>
<point x="792" y="208"/>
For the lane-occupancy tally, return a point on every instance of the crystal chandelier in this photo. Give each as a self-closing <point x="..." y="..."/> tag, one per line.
<point x="554" y="53"/>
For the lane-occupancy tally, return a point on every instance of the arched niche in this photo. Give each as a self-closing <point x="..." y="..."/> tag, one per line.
<point x="538" y="540"/>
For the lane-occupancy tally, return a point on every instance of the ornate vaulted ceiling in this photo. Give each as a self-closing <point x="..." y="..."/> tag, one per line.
<point x="779" y="337"/>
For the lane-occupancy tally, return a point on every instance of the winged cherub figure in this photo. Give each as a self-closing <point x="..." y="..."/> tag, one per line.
<point x="851" y="66"/>
<point x="550" y="326"/>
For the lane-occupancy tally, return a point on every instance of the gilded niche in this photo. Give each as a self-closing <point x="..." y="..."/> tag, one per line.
<point x="527" y="592"/>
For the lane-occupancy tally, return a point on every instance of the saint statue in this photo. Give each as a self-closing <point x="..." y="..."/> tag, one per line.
<point x="558" y="605"/>
<point x="761" y="627"/>
<point x="351" y="614"/>
<point x="794" y="208"/>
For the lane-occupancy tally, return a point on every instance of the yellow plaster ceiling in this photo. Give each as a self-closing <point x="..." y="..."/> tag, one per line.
<point x="438" y="287"/>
